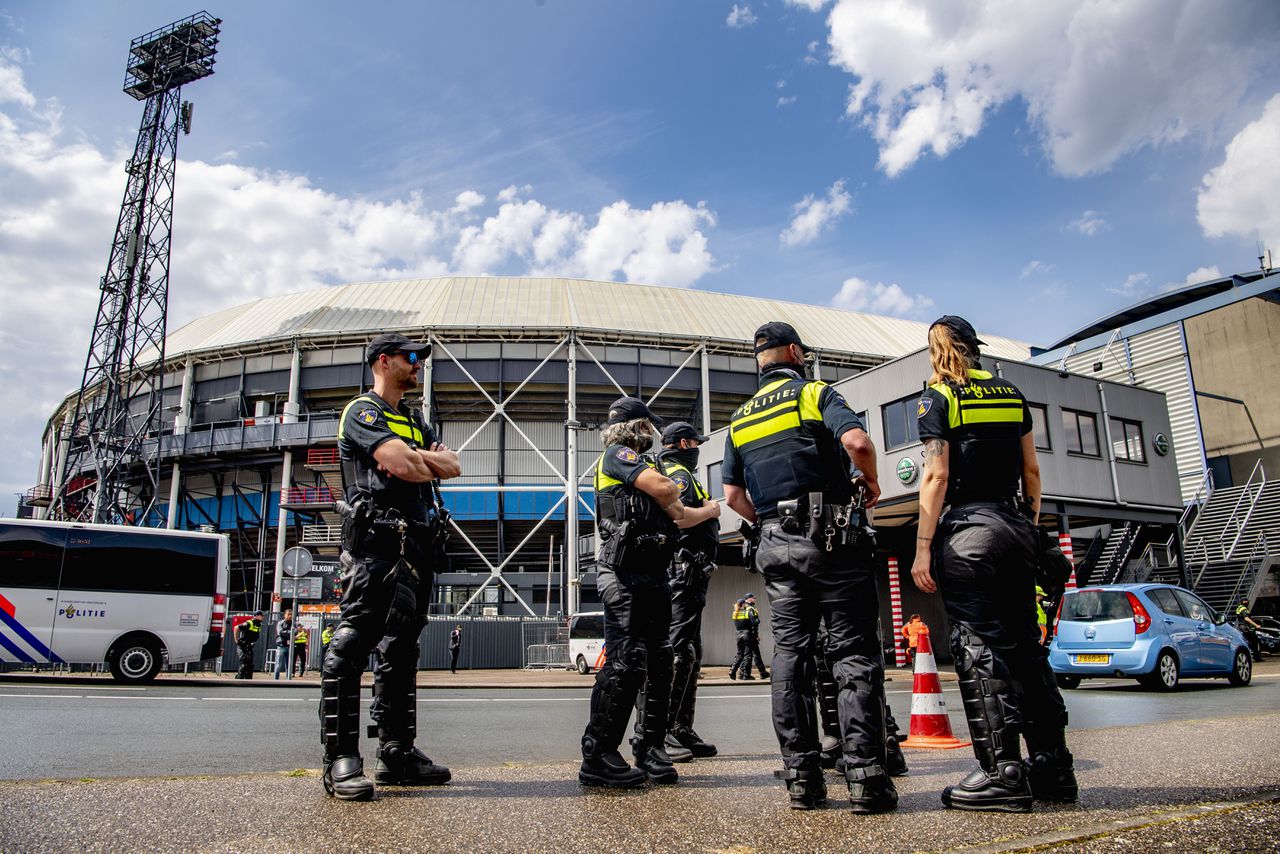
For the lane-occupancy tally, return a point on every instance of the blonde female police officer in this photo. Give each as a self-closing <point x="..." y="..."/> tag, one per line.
<point x="390" y="540"/>
<point x="791" y="445"/>
<point x="636" y="510"/>
<point x="981" y="552"/>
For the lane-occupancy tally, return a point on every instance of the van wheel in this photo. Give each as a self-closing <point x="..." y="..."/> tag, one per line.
<point x="1066" y="681"/>
<point x="1165" y="675"/>
<point x="1241" y="669"/>
<point x="135" y="661"/>
<point x="583" y="667"/>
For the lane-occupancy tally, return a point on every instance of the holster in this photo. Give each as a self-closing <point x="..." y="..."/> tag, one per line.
<point x="357" y="523"/>
<point x="827" y="525"/>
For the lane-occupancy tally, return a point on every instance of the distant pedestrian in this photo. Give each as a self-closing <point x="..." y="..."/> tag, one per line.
<point x="911" y="633"/>
<point x="742" y="629"/>
<point x="455" y="647"/>
<point x="1248" y="627"/>
<point x="247" y="634"/>
<point x="284" y="638"/>
<point x="325" y="637"/>
<point x="753" y="635"/>
<point x="1042" y="617"/>
<point x="301" y="639"/>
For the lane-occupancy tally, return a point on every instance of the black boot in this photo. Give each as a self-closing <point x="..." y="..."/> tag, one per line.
<point x="611" y="700"/>
<point x="652" y="707"/>
<point x="687" y="739"/>
<point x="807" y="789"/>
<point x="830" y="754"/>
<point x="1052" y="776"/>
<point x="402" y="764"/>
<point x="895" y="760"/>
<point x="1000" y="783"/>
<point x="655" y="762"/>
<point x="340" y="731"/>
<point x="608" y="769"/>
<point x="870" y="789"/>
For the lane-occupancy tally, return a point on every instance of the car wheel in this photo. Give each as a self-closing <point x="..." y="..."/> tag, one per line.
<point x="1242" y="668"/>
<point x="136" y="661"/>
<point x="583" y="667"/>
<point x="1165" y="675"/>
<point x="1066" y="681"/>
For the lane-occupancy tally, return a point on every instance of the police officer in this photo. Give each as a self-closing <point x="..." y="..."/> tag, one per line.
<point x="325" y="637"/>
<point x="787" y="464"/>
<point x="828" y="697"/>
<point x="392" y="539"/>
<point x="981" y="552"/>
<point x="689" y="575"/>
<point x="1249" y="628"/>
<point x="636" y="510"/>
<point x="247" y="634"/>
<point x="742" y="633"/>
<point x="300" y="640"/>
<point x="753" y="636"/>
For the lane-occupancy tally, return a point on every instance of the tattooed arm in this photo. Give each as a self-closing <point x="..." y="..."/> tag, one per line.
<point x="1031" y="475"/>
<point x="933" y="491"/>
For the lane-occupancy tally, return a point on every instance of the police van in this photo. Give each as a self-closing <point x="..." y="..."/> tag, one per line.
<point x="135" y="598"/>
<point x="586" y="641"/>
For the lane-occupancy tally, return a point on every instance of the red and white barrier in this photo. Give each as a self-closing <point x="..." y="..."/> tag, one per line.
<point x="895" y="605"/>
<point x="1064" y="543"/>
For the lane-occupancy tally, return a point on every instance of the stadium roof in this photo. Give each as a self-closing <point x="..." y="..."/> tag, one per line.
<point x="624" y="311"/>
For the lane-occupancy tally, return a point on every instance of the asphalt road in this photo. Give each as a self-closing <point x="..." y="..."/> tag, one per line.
<point x="99" y="731"/>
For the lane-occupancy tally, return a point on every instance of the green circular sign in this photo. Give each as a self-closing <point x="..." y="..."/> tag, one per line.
<point x="1161" y="444"/>
<point x="907" y="470"/>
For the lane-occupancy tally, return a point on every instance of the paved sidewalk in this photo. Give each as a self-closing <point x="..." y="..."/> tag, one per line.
<point x="1198" y="785"/>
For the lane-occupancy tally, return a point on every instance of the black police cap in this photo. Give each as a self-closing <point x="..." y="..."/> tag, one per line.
<point x="677" y="430"/>
<point x="778" y="334"/>
<point x="960" y="328"/>
<point x="629" y="408"/>
<point x="390" y="343"/>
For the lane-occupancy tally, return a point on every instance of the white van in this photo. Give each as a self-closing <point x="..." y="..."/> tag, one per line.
<point x="136" y="598"/>
<point x="586" y="641"/>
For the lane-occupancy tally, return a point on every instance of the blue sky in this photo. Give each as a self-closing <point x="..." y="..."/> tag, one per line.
<point x="1032" y="170"/>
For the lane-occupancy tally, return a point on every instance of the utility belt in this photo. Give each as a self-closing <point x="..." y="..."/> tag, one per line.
<point x="827" y="524"/>
<point x="960" y="498"/>
<point x="366" y="527"/>
<point x="629" y="540"/>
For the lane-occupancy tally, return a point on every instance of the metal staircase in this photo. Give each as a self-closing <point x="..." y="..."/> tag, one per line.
<point x="1115" y="554"/>
<point x="1235" y="539"/>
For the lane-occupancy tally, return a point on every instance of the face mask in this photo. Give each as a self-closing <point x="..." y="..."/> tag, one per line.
<point x="687" y="458"/>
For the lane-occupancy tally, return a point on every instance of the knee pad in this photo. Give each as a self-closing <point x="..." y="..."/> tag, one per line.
<point x="684" y="655"/>
<point x="347" y="654"/>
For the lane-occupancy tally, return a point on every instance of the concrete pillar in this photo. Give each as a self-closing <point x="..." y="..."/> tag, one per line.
<point x="571" y="475"/>
<point x="181" y="424"/>
<point x="291" y="408"/>
<point x="706" y="391"/>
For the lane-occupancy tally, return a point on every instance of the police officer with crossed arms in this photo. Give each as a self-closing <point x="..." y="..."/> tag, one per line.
<point x="787" y="463"/>
<point x="637" y="508"/>
<point x="392" y="541"/>
<point x="690" y="574"/>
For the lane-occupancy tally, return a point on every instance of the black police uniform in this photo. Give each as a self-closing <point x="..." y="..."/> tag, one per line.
<point x="1250" y="635"/>
<point x="690" y="573"/>
<point x="637" y="545"/>
<point x="984" y="561"/>
<point x="742" y="636"/>
<point x="753" y="641"/>
<point x="247" y="634"/>
<point x="389" y="554"/>
<point x="783" y="445"/>
<point x="828" y="707"/>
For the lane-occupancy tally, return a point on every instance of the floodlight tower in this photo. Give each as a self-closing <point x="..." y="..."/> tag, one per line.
<point x="112" y="466"/>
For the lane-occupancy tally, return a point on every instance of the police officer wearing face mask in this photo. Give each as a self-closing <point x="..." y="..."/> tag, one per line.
<point x="981" y="552"/>
<point x="247" y="634"/>
<point x="787" y="464"/>
<point x="636" y="511"/>
<point x="392" y="539"/>
<point x="690" y="573"/>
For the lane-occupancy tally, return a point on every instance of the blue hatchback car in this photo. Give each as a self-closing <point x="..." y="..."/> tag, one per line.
<point x="1156" y="633"/>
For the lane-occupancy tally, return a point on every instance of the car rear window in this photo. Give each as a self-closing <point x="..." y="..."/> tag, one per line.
<point x="1086" y="606"/>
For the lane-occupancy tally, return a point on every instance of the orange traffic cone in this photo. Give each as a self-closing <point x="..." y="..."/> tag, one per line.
<point x="930" y="726"/>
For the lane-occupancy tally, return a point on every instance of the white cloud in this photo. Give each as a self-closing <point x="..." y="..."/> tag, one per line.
<point x="1195" y="277"/>
<point x="811" y="5"/>
<point x="811" y="53"/>
<point x="1099" y="79"/>
<point x="1088" y="223"/>
<point x="1035" y="268"/>
<point x="813" y="215"/>
<point x="786" y="100"/>
<point x="242" y="234"/>
<point x="1134" y="285"/>
<point x="1241" y="196"/>
<point x="860" y="295"/>
<point x="741" y="16"/>
<point x="13" y="89"/>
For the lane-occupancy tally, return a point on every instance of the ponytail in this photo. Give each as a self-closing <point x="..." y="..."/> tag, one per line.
<point x="950" y="358"/>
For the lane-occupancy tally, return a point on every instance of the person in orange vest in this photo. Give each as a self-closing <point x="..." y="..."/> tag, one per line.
<point x="911" y="633"/>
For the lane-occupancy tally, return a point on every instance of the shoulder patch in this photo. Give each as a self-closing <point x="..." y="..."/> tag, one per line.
<point x="681" y="480"/>
<point x="627" y="455"/>
<point x="367" y="416"/>
<point x="922" y="409"/>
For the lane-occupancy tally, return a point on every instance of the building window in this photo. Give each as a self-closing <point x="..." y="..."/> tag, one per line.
<point x="1081" y="429"/>
<point x="1040" y="426"/>
<point x="1126" y="440"/>
<point x="714" y="484"/>
<point x="901" y="427"/>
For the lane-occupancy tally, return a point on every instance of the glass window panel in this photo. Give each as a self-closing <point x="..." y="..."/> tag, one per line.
<point x="1040" y="426"/>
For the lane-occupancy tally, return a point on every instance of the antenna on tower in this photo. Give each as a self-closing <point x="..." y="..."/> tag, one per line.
<point x="112" y="466"/>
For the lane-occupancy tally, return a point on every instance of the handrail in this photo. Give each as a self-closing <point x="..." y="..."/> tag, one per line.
<point x="1148" y="554"/>
<point x="1258" y="469"/>
<point x="1248" y="565"/>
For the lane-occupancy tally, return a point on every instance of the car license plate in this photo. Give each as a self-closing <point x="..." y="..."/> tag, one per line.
<point x="1093" y="659"/>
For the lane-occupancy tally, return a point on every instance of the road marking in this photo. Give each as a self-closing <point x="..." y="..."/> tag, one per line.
<point x="259" y="699"/>
<point x="66" y="696"/>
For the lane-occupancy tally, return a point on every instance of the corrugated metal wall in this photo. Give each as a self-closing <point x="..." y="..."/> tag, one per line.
<point x="1158" y="361"/>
